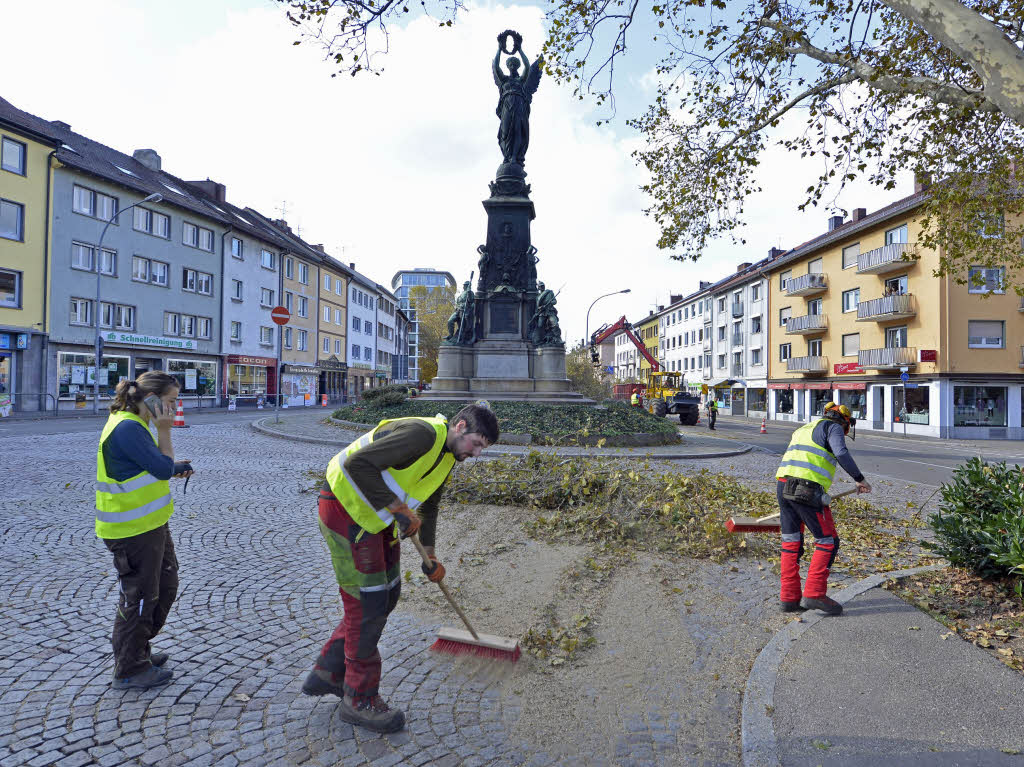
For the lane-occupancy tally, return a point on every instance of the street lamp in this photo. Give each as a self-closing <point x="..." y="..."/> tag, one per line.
<point x="99" y="313"/>
<point x="586" y="339"/>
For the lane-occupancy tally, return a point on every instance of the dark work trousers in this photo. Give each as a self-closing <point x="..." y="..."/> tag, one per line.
<point x="713" y="417"/>
<point x="366" y="567"/>
<point x="147" y="576"/>
<point x="793" y="518"/>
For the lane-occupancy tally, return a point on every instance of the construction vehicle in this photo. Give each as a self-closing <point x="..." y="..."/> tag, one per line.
<point x="666" y="392"/>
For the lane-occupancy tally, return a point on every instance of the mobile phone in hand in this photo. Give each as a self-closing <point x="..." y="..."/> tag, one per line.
<point x="155" y="405"/>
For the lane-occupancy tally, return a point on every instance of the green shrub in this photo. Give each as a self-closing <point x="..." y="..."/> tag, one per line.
<point x="386" y="394"/>
<point x="980" y="522"/>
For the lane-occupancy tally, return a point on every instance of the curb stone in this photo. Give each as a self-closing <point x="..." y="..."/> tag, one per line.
<point x="757" y="733"/>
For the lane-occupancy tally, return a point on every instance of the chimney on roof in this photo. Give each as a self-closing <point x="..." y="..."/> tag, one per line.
<point x="922" y="181"/>
<point x="859" y="213"/>
<point x="60" y="124"/>
<point x="661" y="307"/>
<point x="218" y="192"/>
<point x="352" y="265"/>
<point x="744" y="265"/>
<point x="835" y="222"/>
<point x="282" y="224"/>
<point x="147" y="157"/>
<point x="775" y="252"/>
<point x="704" y="284"/>
<point x="320" y="246"/>
<point x="672" y="298"/>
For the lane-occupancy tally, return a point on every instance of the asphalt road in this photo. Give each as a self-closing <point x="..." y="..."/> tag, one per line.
<point x="73" y="424"/>
<point x="911" y="459"/>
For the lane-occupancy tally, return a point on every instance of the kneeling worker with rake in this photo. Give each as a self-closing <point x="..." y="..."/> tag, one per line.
<point x="385" y="484"/>
<point x="805" y="477"/>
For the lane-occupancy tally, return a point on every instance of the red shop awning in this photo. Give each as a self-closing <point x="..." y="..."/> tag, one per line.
<point x="819" y="386"/>
<point x="778" y="386"/>
<point x="798" y="386"/>
<point x="850" y="385"/>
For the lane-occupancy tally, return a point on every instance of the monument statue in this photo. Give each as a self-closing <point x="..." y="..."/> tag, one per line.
<point x="462" y="322"/>
<point x="543" y="328"/>
<point x="516" y="94"/>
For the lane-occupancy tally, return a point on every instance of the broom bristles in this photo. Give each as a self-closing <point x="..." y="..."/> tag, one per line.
<point x="451" y="647"/>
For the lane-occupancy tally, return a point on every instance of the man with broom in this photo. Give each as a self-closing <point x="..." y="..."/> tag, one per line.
<point x="384" y="485"/>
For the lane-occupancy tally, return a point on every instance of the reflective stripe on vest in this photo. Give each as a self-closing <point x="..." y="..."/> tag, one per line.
<point x="413" y="485"/>
<point x="806" y="459"/>
<point x="136" y="505"/>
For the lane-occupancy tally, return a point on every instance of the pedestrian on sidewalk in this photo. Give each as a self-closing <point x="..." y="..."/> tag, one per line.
<point x="805" y="474"/>
<point x="385" y="484"/>
<point x="712" y="412"/>
<point x="133" y="504"/>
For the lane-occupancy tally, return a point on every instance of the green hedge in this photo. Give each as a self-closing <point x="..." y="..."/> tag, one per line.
<point x="980" y="522"/>
<point x="609" y="418"/>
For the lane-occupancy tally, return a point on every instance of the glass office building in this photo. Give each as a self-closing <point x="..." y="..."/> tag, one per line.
<point x="401" y="284"/>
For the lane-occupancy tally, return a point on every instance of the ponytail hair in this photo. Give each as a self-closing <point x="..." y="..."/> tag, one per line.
<point x="129" y="394"/>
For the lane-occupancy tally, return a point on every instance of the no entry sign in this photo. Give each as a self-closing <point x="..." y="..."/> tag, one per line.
<point x="280" y="315"/>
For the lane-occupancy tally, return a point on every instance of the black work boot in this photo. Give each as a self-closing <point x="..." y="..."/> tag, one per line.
<point x="371" y="712"/>
<point x="827" y="605"/>
<point x="322" y="682"/>
<point x="158" y="658"/>
<point x="791" y="607"/>
<point x="150" y="677"/>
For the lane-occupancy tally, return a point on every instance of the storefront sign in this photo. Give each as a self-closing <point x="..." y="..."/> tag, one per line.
<point x="848" y="385"/>
<point x="847" y="368"/>
<point x="929" y="355"/>
<point x="778" y="386"/>
<point x="240" y="359"/>
<point x="5" y="341"/>
<point x="798" y="386"/>
<point x="138" y="339"/>
<point x="190" y="380"/>
<point x="819" y="386"/>
<point x="332" y="363"/>
<point x="22" y="340"/>
<point x="306" y="370"/>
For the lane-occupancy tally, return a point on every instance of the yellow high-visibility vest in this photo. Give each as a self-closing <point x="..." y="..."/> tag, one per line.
<point x="807" y="460"/>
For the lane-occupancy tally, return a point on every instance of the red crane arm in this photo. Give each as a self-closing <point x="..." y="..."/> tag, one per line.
<point x="621" y="324"/>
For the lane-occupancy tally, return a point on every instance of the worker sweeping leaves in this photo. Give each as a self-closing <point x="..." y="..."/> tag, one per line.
<point x="385" y="484"/>
<point x="805" y="474"/>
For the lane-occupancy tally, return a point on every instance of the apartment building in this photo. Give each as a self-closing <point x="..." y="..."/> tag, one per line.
<point x="26" y="154"/>
<point x="859" y="318"/>
<point x="626" y="355"/>
<point x="400" y="362"/>
<point x="402" y="284"/>
<point x="332" y="341"/>
<point x="647" y="331"/>
<point x="362" y="334"/>
<point x="685" y="337"/>
<point x="387" y="335"/>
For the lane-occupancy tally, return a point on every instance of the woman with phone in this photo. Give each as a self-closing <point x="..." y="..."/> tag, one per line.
<point x="133" y="504"/>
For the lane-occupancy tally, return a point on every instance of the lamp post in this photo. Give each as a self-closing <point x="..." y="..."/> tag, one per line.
<point x="99" y="313"/>
<point x="586" y="339"/>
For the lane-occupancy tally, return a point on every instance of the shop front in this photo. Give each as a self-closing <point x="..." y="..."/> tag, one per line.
<point x="333" y="378"/>
<point x="299" y="385"/>
<point x="359" y="380"/>
<point x="739" y="401"/>
<point x="782" y="401"/>
<point x="250" y="380"/>
<point x="853" y="394"/>
<point x="20" y="374"/>
<point x="757" y="402"/>
<point x="820" y="395"/>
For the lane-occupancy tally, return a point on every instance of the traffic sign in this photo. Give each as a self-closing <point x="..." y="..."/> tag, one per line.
<point x="904" y="377"/>
<point x="280" y="315"/>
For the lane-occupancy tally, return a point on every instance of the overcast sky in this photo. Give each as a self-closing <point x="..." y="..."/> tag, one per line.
<point x="387" y="172"/>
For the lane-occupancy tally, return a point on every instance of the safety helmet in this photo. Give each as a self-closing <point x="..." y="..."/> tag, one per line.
<point x="840" y="414"/>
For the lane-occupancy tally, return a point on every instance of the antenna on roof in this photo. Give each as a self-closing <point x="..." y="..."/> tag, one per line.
<point x="283" y="208"/>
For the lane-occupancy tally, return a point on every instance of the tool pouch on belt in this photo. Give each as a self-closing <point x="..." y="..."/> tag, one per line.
<point x="802" y="491"/>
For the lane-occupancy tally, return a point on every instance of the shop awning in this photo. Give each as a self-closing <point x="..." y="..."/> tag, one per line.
<point x="818" y="385"/>
<point x="798" y="386"/>
<point x="850" y="385"/>
<point x="778" y="386"/>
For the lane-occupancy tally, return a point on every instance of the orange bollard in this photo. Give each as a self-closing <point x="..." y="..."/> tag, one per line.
<point x="764" y="430"/>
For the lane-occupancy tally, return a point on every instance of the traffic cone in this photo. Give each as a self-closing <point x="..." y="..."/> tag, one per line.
<point x="764" y="430"/>
<point x="179" y="417"/>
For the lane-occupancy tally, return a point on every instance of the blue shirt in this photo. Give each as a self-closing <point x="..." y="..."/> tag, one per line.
<point x="130" y="450"/>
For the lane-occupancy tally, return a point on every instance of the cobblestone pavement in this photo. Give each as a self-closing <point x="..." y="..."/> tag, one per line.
<point x="257" y="599"/>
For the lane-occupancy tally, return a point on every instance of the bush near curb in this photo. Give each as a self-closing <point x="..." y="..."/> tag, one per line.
<point x="980" y="522"/>
<point x="552" y="424"/>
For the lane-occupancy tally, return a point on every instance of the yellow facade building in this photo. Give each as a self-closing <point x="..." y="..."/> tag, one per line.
<point x="856" y="316"/>
<point x="25" y="192"/>
<point x="647" y="330"/>
<point x="333" y="320"/>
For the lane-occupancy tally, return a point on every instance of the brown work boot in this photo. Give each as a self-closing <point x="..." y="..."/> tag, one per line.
<point x="827" y="605"/>
<point x="371" y="712"/>
<point x="320" y="682"/>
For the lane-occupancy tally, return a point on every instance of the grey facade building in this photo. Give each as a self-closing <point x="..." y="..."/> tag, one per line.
<point x="362" y="332"/>
<point x="402" y="283"/>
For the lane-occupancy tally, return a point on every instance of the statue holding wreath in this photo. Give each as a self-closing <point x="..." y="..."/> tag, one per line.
<point x="516" y="94"/>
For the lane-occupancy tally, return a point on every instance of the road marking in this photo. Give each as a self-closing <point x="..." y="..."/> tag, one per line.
<point x="925" y="463"/>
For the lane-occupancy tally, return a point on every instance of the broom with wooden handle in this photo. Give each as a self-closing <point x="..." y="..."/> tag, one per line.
<point x="452" y="641"/>
<point x="770" y="523"/>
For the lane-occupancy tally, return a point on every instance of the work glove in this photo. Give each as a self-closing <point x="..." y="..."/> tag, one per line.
<point x="407" y="519"/>
<point x="434" y="573"/>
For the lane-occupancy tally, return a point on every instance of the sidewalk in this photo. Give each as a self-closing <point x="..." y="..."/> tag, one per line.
<point x="877" y="687"/>
<point x="308" y="429"/>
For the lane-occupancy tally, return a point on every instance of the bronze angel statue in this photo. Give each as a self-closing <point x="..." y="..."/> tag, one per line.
<point x="516" y="93"/>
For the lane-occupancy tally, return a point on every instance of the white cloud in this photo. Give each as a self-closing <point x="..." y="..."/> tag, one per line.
<point x="393" y="168"/>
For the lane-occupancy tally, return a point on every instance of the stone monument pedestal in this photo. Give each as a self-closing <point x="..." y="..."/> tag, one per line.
<point x="502" y="370"/>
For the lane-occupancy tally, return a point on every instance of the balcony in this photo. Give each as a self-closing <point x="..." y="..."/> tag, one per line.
<point x="806" y="284"/>
<point x="887" y="358"/>
<point x="886" y="308"/>
<point x="807" y="365"/>
<point x="888" y="258"/>
<point x="737" y="309"/>
<point x="707" y="342"/>
<point x="737" y="369"/>
<point x="737" y="339"/>
<point x="807" y="325"/>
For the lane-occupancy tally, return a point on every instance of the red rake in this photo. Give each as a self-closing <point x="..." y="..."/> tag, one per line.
<point x="770" y="523"/>
<point x="452" y="641"/>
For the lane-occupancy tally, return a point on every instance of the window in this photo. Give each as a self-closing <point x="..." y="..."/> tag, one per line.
<point x="266" y="259"/>
<point x="12" y="220"/>
<point x="982" y="279"/>
<point x="985" y="334"/>
<point x="158" y="272"/>
<point x="12" y="156"/>
<point x="287" y="338"/>
<point x="289" y="267"/>
<point x="188" y="326"/>
<point x="337" y="287"/>
<point x="850" y="300"/>
<point x="721" y="360"/>
<point x="755" y="324"/>
<point x="721" y="304"/>
<point x="206" y="240"/>
<point x="197" y="236"/>
<point x="815" y="266"/>
<point x="785" y="352"/>
<point x="327" y="282"/>
<point x="327" y="311"/>
<point x="266" y="336"/>
<point x="266" y="297"/>
<point x="814" y="306"/>
<point x="203" y="325"/>
<point x="172" y="323"/>
<point x="755" y="357"/>
<point x="721" y="333"/>
<point x="979" y="406"/>
<point x="205" y="376"/>
<point x="368" y="328"/>
<point x="327" y="345"/>
<point x="237" y="248"/>
<point x="354" y="295"/>
<point x="367" y="353"/>
<point x="204" y="283"/>
<point x="10" y="289"/>
<point x="92" y="203"/>
<point x="140" y="269"/>
<point x="337" y="346"/>
<point x="355" y="351"/>
<point x="897" y="235"/>
<point x="237" y="290"/>
<point x="784" y="315"/>
<point x="851" y="344"/>
<point x="356" y="324"/>
<point x="236" y="331"/>
<point x="755" y="292"/>
<point x="188" y="280"/>
<point x="784" y="279"/>
<point x="303" y="305"/>
<point x="337" y="317"/>
<point x="850" y="253"/>
<point x="991" y="225"/>
<point x="288" y="298"/>
<point x="896" y="337"/>
<point x="81" y="311"/>
<point x="814" y="348"/>
<point x="896" y="286"/>
<point x="151" y="222"/>
<point x="304" y="274"/>
<point x="912" y="409"/>
<point x="303" y="337"/>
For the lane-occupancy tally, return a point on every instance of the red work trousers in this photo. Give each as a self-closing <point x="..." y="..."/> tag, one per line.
<point x="793" y="517"/>
<point x="366" y="566"/>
